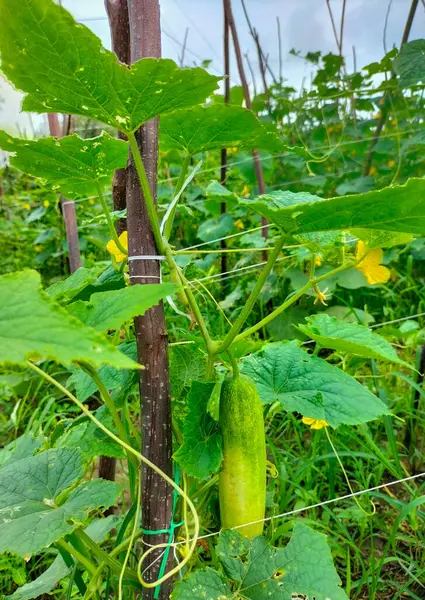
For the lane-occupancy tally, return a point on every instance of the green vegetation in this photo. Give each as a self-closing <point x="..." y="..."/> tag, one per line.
<point x="295" y="364"/>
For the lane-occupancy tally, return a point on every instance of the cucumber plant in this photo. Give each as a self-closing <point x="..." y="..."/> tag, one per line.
<point x="83" y="323"/>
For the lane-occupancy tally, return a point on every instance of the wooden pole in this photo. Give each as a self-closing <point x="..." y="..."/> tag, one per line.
<point x="223" y="169"/>
<point x="256" y="158"/>
<point x="120" y="33"/>
<point x="68" y="209"/>
<point x="150" y="329"/>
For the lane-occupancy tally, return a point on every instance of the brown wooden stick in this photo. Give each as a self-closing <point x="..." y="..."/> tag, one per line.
<point x="68" y="209"/>
<point x="256" y="158"/>
<point x="150" y="329"/>
<point x="223" y="168"/>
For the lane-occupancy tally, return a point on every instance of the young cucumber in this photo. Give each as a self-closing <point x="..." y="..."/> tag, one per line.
<point x="242" y="486"/>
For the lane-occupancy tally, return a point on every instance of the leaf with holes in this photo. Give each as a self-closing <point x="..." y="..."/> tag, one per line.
<point x="311" y="386"/>
<point x="31" y="518"/>
<point x="254" y="570"/>
<point x="214" y="127"/>
<point x="200" y="454"/>
<point x="71" y="165"/>
<point x="398" y="208"/>
<point x="62" y="67"/>
<point x="109" y="310"/>
<point x="353" y="338"/>
<point x="32" y="326"/>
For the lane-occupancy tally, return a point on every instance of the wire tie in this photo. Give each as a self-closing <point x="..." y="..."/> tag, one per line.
<point x="146" y="257"/>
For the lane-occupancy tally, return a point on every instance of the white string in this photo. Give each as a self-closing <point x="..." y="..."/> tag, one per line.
<point x="237" y="270"/>
<point x="226" y="237"/>
<point x="397" y="320"/>
<point x="311" y="506"/>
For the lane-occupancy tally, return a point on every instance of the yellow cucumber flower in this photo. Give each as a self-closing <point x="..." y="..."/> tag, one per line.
<point x="371" y="266"/>
<point x="113" y="249"/>
<point x="46" y="204"/>
<point x="315" y="423"/>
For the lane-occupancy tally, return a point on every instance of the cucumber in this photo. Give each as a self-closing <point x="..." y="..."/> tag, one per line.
<point x="242" y="483"/>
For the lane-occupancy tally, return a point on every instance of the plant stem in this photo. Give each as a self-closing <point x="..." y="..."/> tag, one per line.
<point x="246" y="311"/>
<point x="291" y="300"/>
<point x="180" y="182"/>
<point x="106" y="397"/>
<point x="234" y="364"/>
<point x="147" y="194"/>
<point x="189" y="295"/>
<point x="102" y="556"/>
<point x="87" y="564"/>
<point x="111" y="226"/>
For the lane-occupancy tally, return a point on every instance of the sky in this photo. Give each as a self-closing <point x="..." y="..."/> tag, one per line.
<point x="305" y="26"/>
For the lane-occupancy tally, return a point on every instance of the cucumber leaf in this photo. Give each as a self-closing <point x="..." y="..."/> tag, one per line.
<point x="205" y="583"/>
<point x="201" y="454"/>
<point x="44" y="583"/>
<point x="62" y="67"/>
<point x="32" y="326"/>
<point x="65" y="289"/>
<point x="409" y="64"/>
<point x="70" y="165"/>
<point x="398" y="208"/>
<point x="187" y="363"/>
<point x="255" y="570"/>
<point x="90" y="440"/>
<point x="353" y="338"/>
<point x="24" y="446"/>
<point x="374" y="238"/>
<point x="109" y="310"/>
<point x="309" y="385"/>
<point x="97" y="530"/>
<point x="215" y="126"/>
<point x="118" y="382"/>
<point x="29" y="491"/>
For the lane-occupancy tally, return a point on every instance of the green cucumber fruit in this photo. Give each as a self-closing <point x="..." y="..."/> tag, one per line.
<point x="242" y="485"/>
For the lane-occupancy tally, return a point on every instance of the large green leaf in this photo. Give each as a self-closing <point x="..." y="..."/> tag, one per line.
<point x="65" y="289"/>
<point x="200" y="454"/>
<point x="62" y="67"/>
<point x="29" y="491"/>
<point x="353" y="338"/>
<point x="396" y="208"/>
<point x="71" y="165"/>
<point x="109" y="310"/>
<point x="311" y="386"/>
<point x="58" y="570"/>
<point x="32" y="326"/>
<point x="409" y="64"/>
<point x="257" y="571"/>
<point x="215" y="126"/>
<point x="24" y="446"/>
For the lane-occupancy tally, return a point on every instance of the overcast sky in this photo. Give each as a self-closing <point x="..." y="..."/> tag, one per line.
<point x="305" y="26"/>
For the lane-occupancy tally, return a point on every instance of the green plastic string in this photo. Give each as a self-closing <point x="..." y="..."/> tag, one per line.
<point x="173" y="526"/>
